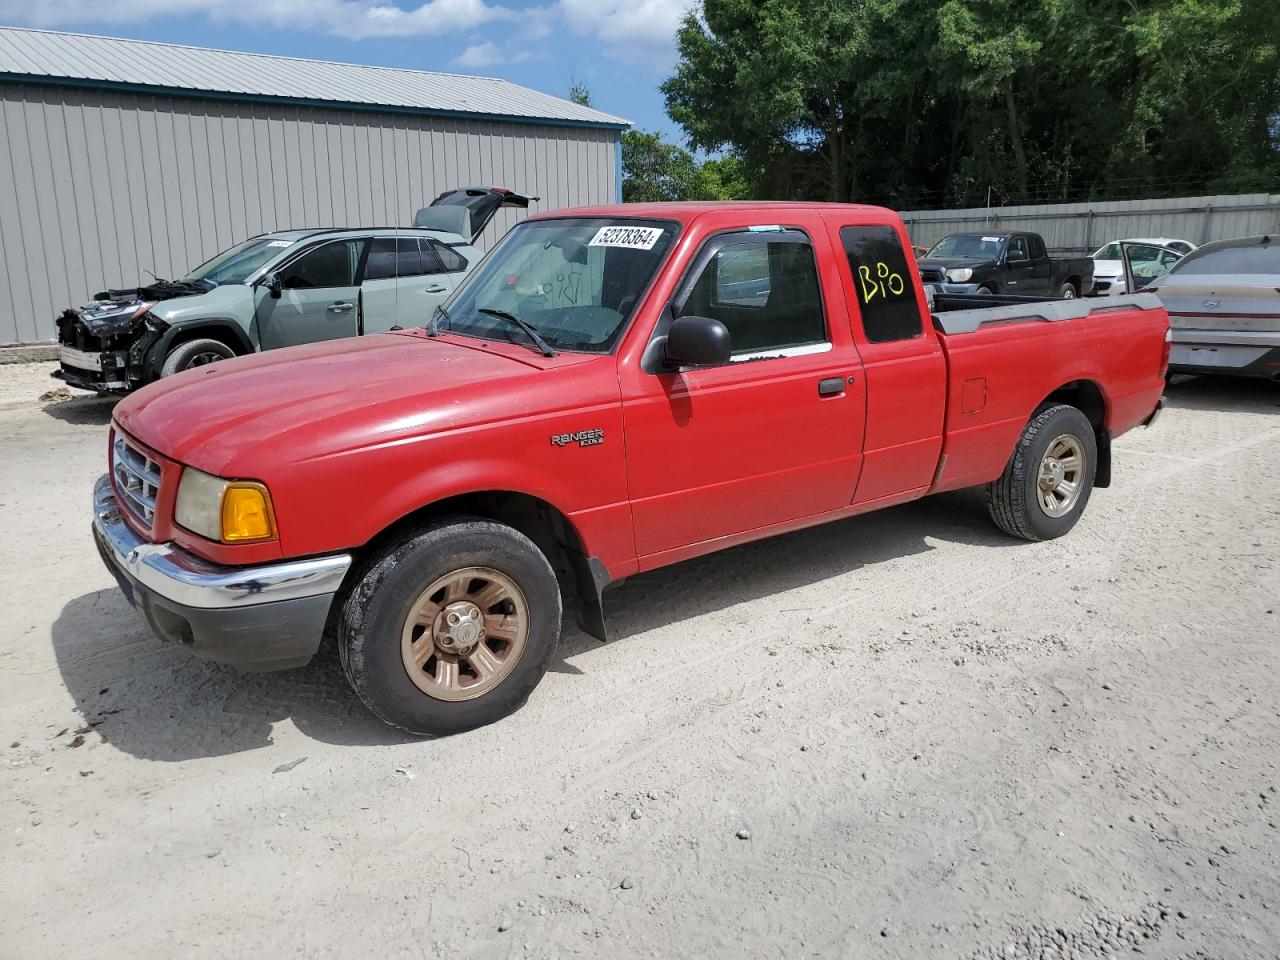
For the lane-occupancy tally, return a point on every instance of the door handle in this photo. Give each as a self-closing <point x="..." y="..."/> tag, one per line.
<point x="340" y="307"/>
<point x="831" y="387"/>
<point x="436" y="288"/>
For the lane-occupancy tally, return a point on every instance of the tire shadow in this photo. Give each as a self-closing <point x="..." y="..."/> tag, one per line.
<point x="159" y="703"/>
<point x="775" y="565"/>
<point x="156" y="702"/>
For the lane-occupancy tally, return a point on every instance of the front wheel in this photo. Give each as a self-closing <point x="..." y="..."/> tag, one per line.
<point x="451" y="627"/>
<point x="1047" y="482"/>
<point x="195" y="353"/>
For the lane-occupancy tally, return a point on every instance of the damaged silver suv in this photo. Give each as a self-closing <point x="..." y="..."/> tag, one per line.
<point x="278" y="290"/>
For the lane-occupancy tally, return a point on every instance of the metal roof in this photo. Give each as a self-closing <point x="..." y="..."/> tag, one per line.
<point x="144" y="66"/>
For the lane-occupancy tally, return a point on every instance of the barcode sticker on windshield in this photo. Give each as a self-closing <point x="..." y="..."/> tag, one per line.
<point x="633" y="238"/>
<point x="279" y="243"/>
<point x="990" y="239"/>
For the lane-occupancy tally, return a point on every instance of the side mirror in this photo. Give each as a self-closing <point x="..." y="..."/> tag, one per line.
<point x="695" y="341"/>
<point x="272" y="282"/>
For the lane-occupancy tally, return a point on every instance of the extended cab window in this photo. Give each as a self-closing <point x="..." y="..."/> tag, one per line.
<point x="331" y="264"/>
<point x="391" y="257"/>
<point x="882" y="281"/>
<point x="764" y="289"/>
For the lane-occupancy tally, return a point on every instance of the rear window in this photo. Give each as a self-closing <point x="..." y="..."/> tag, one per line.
<point x="1253" y="258"/>
<point x="882" y="280"/>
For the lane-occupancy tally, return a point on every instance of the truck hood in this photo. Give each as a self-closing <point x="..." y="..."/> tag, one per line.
<point x="311" y="401"/>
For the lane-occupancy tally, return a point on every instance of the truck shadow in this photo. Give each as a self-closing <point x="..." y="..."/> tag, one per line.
<point x="92" y="411"/>
<point x="158" y="703"/>
<point x="1223" y="394"/>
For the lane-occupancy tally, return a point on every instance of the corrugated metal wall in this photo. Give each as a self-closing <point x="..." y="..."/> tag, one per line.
<point x="97" y="187"/>
<point x="1083" y="227"/>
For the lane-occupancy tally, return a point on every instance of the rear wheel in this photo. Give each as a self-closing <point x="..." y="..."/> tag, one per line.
<point x="1048" y="480"/>
<point x="195" y="353"/>
<point x="1068" y="291"/>
<point x="451" y="627"/>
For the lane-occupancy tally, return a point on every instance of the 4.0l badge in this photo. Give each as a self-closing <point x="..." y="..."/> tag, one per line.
<point x="584" y="438"/>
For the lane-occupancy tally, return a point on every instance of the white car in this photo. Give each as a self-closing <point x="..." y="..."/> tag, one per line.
<point x="1150" y="260"/>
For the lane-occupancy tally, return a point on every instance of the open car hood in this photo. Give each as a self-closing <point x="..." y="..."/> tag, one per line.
<point x="468" y="210"/>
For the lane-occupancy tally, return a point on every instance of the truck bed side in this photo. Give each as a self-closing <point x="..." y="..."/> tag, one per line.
<point x="1004" y="362"/>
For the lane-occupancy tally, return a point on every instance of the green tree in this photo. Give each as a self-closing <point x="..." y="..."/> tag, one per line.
<point x="579" y="92"/>
<point x="654" y="170"/>
<point x="925" y="102"/>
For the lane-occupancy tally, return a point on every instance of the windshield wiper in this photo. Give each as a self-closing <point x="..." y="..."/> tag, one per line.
<point x="543" y="346"/>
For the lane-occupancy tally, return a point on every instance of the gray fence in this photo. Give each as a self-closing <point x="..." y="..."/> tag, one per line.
<point x="1083" y="227"/>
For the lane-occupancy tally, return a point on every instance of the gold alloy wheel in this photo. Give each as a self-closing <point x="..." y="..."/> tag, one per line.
<point x="465" y="633"/>
<point x="1061" y="475"/>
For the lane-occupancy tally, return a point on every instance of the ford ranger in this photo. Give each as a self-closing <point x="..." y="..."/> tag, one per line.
<point x="613" y="389"/>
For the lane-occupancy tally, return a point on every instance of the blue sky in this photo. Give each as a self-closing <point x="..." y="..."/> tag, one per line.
<point x="621" y="50"/>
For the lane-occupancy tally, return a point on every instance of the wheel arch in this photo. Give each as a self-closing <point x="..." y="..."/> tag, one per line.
<point x="1087" y="396"/>
<point x="224" y="330"/>
<point x="582" y="577"/>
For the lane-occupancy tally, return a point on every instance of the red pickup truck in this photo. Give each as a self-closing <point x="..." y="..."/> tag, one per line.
<point x="613" y="389"/>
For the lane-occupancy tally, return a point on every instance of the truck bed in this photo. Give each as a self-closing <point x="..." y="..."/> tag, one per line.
<point x="1006" y="355"/>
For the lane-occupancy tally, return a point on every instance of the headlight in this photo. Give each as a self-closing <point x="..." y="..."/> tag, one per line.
<point x="959" y="275"/>
<point x="232" y="511"/>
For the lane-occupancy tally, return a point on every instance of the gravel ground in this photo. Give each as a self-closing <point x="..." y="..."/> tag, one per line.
<point x="897" y="736"/>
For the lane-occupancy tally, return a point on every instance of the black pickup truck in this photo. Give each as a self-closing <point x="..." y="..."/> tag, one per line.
<point x="1004" y="263"/>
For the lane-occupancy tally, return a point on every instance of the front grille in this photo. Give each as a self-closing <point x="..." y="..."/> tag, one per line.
<point x="137" y="479"/>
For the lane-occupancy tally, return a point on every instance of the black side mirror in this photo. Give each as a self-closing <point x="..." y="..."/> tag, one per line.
<point x="695" y="341"/>
<point x="272" y="282"/>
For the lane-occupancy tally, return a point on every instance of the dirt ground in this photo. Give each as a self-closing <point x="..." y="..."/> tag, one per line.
<point x="900" y="736"/>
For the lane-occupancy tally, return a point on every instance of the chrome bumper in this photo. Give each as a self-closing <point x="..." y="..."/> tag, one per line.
<point x="183" y="578"/>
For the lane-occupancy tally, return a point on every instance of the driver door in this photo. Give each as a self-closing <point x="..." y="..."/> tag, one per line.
<point x="318" y="298"/>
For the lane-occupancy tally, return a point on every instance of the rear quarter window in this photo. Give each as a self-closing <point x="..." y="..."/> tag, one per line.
<point x="886" y="296"/>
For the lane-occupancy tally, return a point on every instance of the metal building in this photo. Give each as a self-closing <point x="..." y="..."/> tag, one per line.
<point x="123" y="157"/>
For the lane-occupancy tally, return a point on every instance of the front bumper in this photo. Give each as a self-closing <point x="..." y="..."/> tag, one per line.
<point x="953" y="287"/>
<point x="267" y="617"/>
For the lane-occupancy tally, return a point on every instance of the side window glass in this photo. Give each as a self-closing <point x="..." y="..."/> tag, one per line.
<point x="449" y="258"/>
<point x="381" y="262"/>
<point x="1038" y="251"/>
<point x="329" y="265"/>
<point x="766" y="294"/>
<point x="882" y="282"/>
<point x="1017" y="249"/>
<point x="409" y="258"/>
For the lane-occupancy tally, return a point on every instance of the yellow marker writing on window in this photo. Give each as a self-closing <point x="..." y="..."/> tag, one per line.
<point x="881" y="283"/>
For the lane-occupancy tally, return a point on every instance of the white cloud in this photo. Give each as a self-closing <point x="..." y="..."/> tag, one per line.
<point x="354" y="19"/>
<point x="482" y="55"/>
<point x="639" y="31"/>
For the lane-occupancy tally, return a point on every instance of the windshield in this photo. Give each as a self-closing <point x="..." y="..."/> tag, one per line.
<point x="575" y="281"/>
<point x="968" y="246"/>
<point x="1110" y="252"/>
<point x="240" y="262"/>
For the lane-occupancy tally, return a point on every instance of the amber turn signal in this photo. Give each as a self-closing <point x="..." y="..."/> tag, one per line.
<point x="247" y="515"/>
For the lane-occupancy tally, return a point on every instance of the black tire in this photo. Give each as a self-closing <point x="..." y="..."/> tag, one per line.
<point x="194" y="353"/>
<point x="986" y="292"/>
<point x="1014" y="500"/>
<point x="1068" y="291"/>
<point x="375" y="611"/>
